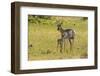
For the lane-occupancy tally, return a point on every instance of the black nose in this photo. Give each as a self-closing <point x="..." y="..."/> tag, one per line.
<point x="57" y="28"/>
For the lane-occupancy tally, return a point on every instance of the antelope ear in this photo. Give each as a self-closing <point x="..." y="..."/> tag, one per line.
<point x="56" y="22"/>
<point x="61" y="22"/>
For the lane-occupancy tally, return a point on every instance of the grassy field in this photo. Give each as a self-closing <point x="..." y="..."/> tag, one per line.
<point x="43" y="35"/>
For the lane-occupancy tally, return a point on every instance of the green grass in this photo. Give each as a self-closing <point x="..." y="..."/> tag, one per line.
<point x="43" y="35"/>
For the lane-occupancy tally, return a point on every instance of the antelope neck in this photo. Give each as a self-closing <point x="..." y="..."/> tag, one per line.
<point x="61" y="30"/>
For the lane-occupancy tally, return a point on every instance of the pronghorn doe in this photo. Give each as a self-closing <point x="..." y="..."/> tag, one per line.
<point x="66" y="34"/>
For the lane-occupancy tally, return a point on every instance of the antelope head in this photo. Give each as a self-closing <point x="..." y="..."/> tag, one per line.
<point x="59" y="26"/>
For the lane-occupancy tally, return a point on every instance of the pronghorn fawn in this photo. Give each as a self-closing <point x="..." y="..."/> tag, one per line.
<point x="60" y="44"/>
<point x="66" y="34"/>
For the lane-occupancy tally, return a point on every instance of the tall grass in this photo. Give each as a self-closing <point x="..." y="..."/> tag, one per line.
<point x="43" y="35"/>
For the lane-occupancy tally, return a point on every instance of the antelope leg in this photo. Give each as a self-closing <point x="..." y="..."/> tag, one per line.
<point x="70" y="44"/>
<point x="57" y="46"/>
<point x="61" y="48"/>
